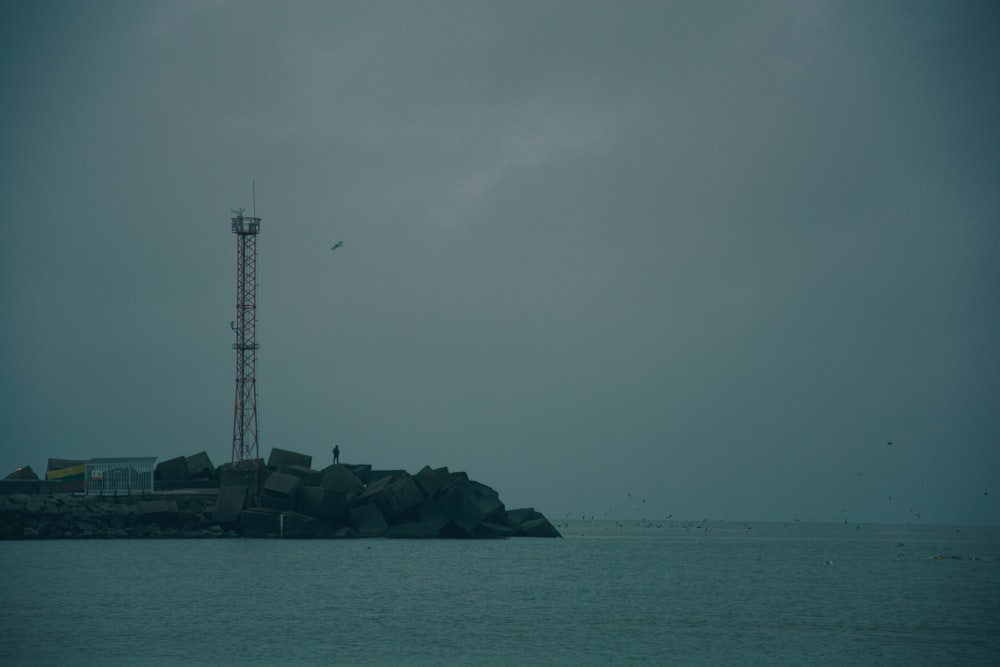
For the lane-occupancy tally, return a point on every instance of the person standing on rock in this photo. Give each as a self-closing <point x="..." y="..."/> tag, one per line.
<point x="336" y="454"/>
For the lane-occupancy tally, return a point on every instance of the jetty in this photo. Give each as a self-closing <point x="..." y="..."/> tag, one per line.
<point x="284" y="497"/>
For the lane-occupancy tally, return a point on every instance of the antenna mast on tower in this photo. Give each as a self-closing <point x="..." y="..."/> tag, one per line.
<point x="245" y="448"/>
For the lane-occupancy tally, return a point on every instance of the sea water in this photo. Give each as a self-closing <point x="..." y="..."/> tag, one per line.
<point x="665" y="593"/>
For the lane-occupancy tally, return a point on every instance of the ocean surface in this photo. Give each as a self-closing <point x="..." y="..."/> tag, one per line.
<point x="667" y="593"/>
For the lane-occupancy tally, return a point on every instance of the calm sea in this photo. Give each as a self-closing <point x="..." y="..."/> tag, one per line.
<point x="609" y="593"/>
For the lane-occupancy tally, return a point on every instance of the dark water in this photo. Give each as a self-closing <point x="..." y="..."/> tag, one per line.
<point x="684" y="594"/>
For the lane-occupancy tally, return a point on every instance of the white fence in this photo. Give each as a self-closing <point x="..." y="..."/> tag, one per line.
<point x="119" y="477"/>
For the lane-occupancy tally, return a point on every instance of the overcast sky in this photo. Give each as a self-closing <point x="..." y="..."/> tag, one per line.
<point x="715" y="255"/>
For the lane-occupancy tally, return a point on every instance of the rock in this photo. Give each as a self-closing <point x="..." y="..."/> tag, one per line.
<point x="161" y="512"/>
<point x="259" y="522"/>
<point x="200" y="466"/>
<point x="368" y="520"/>
<point x="397" y="496"/>
<point x="228" y="504"/>
<point x="338" y="477"/>
<point x="173" y="469"/>
<point x="283" y="457"/>
<point x="23" y="473"/>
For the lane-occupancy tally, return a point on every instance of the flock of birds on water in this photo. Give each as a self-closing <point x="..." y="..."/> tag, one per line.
<point x="704" y="525"/>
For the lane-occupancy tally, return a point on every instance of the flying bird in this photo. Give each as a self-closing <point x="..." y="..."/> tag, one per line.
<point x="336" y="245"/>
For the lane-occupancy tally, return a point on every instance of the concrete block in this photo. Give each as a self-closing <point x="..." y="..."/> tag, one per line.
<point x="398" y="497"/>
<point x="250" y="475"/>
<point x="372" y="476"/>
<point x="325" y="504"/>
<point x="308" y="476"/>
<point x="296" y="525"/>
<point x="452" y="531"/>
<point x="274" y="502"/>
<point x="488" y="529"/>
<point x="200" y="466"/>
<point x="172" y="469"/>
<point x="516" y="517"/>
<point x="538" y="528"/>
<point x="259" y="522"/>
<point x="340" y="478"/>
<point x="360" y="470"/>
<point x="431" y="481"/>
<point x="284" y="457"/>
<point x="367" y="520"/>
<point x="229" y="503"/>
<point x="431" y="511"/>
<point x="280" y="485"/>
<point x="459" y="501"/>
<point x="491" y="509"/>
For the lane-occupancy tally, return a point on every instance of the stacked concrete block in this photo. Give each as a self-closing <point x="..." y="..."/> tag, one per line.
<point x="538" y="528"/>
<point x="371" y="476"/>
<point x="360" y="470"/>
<point x="398" y="496"/>
<point x="279" y="490"/>
<point x="228" y="504"/>
<point x="283" y="457"/>
<point x="340" y="478"/>
<point x="296" y="525"/>
<point x="290" y="499"/>
<point x="308" y="476"/>
<point x="173" y="469"/>
<point x="459" y="501"/>
<point x="200" y="466"/>
<point x="368" y="520"/>
<point x="432" y="481"/>
<point x="260" y="522"/>
<point x="249" y="474"/>
<point x="322" y="503"/>
<point x="493" y="530"/>
<point x="527" y="522"/>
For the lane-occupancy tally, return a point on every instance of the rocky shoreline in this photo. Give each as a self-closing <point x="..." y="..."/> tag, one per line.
<point x="286" y="498"/>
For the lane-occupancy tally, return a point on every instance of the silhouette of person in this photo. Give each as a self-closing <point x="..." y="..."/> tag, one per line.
<point x="336" y="453"/>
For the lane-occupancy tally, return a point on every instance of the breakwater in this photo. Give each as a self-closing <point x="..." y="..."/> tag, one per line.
<point x="282" y="498"/>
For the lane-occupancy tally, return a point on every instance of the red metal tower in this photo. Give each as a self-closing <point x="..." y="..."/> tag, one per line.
<point x="245" y="449"/>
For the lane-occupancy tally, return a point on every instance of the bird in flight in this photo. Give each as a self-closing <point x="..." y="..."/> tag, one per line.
<point x="336" y="245"/>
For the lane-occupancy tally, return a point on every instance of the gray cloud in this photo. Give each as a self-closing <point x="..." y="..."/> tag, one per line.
<point x="714" y="255"/>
